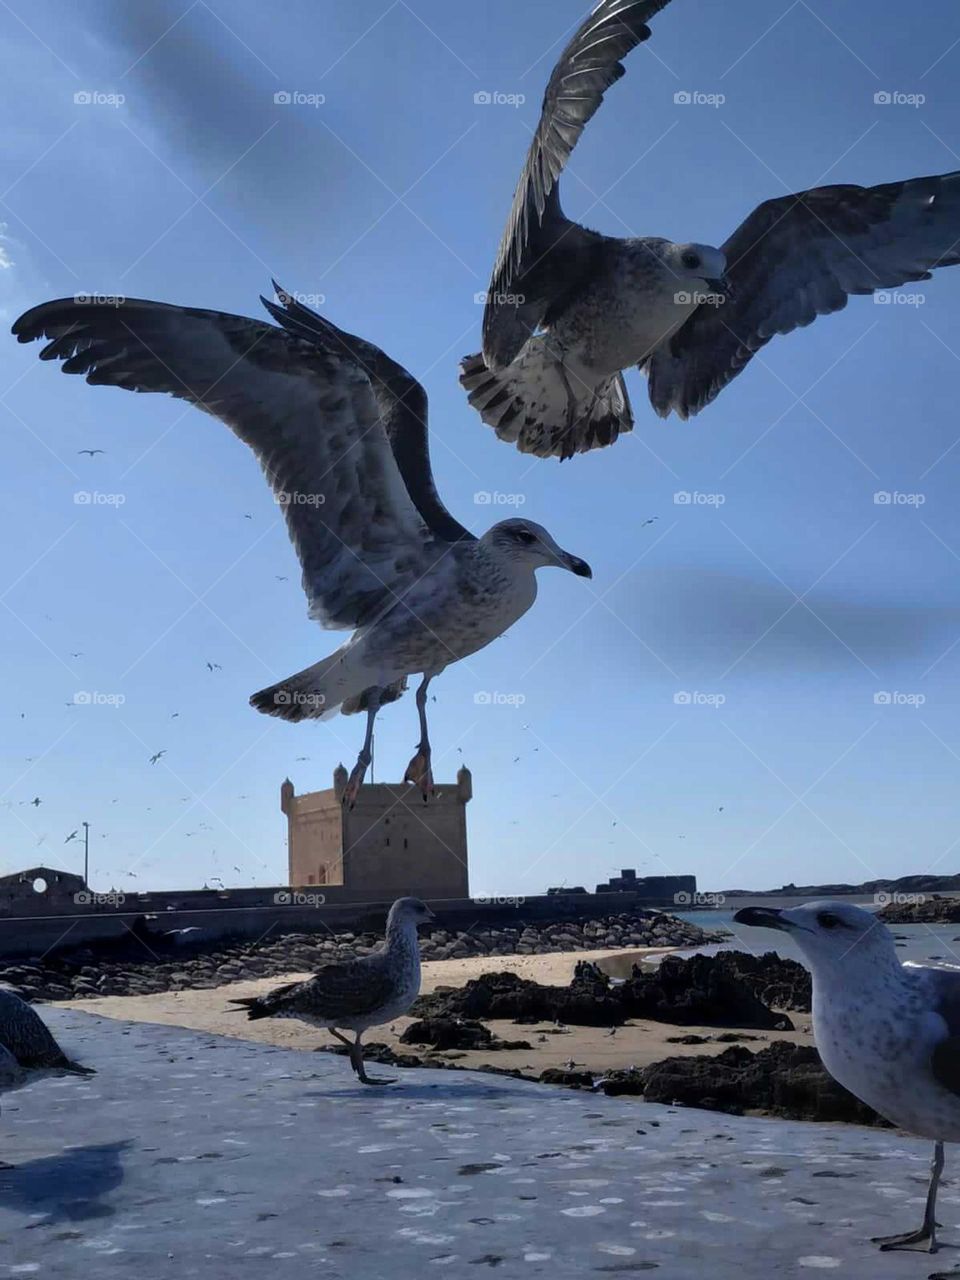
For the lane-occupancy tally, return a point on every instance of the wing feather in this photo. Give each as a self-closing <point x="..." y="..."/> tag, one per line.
<point x="305" y="406"/>
<point x="541" y="250"/>
<point x="799" y="257"/>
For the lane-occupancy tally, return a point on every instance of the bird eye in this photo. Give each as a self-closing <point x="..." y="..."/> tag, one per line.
<point x="691" y="260"/>
<point x="826" y="920"/>
<point x="524" y="535"/>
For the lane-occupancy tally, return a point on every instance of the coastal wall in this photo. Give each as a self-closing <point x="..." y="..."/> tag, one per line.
<point x="27" y="929"/>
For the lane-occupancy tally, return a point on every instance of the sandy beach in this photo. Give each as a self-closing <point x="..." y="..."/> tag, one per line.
<point x="638" y="1043"/>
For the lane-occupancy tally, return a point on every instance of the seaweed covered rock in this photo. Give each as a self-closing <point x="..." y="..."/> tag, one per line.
<point x="457" y="1033"/>
<point x="784" y="1079"/>
<point x="588" y="1001"/>
<point x="700" y="991"/>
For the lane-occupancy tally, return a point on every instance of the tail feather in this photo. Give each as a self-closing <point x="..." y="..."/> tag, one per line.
<point x="264" y="1006"/>
<point x="77" y="1069"/>
<point x="536" y="405"/>
<point x="318" y="692"/>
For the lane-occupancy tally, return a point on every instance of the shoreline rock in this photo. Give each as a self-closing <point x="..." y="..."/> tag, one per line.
<point x="172" y="962"/>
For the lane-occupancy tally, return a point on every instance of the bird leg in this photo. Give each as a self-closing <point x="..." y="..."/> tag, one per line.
<point x="418" y="771"/>
<point x="356" y="1061"/>
<point x="358" y="773"/>
<point x="925" y="1237"/>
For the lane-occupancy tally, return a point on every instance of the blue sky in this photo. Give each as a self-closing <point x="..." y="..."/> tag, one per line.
<point x="782" y="611"/>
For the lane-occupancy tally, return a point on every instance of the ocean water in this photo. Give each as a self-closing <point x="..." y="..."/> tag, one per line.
<point x="922" y="943"/>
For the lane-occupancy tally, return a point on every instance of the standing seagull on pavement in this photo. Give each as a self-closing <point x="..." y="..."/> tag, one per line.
<point x="888" y="1032"/>
<point x="340" y="431"/>
<point x="356" y="994"/>
<point x="569" y="309"/>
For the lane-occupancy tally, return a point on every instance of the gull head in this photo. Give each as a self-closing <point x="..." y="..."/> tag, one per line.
<point x="525" y="543"/>
<point x="696" y="268"/>
<point x="409" y="911"/>
<point x="833" y="936"/>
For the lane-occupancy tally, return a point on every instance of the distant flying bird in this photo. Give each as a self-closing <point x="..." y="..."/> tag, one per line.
<point x="91" y="452"/>
<point x="72" y="836"/>
<point x="36" y="801"/>
<point x="341" y="430"/>
<point x="76" y="655"/>
<point x="569" y="309"/>
<point x="158" y="755"/>
<point x="247" y="517"/>
<point x="214" y="666"/>
<point x="354" y="995"/>
<point x="644" y="523"/>
<point x="280" y="577"/>
<point x="175" y="715"/>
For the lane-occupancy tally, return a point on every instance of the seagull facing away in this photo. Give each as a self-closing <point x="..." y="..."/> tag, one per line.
<point x="569" y="309"/>
<point x="356" y="994"/>
<point x="340" y="430"/>
<point x="888" y="1032"/>
<point x="27" y="1047"/>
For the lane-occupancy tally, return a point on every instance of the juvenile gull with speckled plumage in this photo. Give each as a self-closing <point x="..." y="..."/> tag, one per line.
<point x="356" y="994"/>
<point x="568" y="308"/>
<point x="340" y="431"/>
<point x="889" y="1032"/>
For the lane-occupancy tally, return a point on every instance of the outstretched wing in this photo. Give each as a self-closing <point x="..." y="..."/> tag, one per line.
<point x="799" y="257"/>
<point x="542" y="253"/>
<point x="401" y="398"/>
<point x="308" y="410"/>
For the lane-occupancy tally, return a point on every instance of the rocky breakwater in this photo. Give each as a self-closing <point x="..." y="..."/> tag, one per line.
<point x="175" y="962"/>
<point x="921" y="909"/>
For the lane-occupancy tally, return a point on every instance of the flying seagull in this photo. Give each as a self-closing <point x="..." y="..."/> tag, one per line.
<point x="569" y="309"/>
<point x="91" y="452"/>
<point x="158" y="756"/>
<point x="890" y="1033"/>
<point x="341" y="431"/>
<point x="356" y="994"/>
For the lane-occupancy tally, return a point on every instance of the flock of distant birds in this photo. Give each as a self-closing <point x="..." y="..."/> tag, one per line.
<point x="340" y="430"/>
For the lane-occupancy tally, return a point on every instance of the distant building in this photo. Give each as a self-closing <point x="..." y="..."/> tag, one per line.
<point x="390" y="841"/>
<point x="680" y="889"/>
<point x="40" y="890"/>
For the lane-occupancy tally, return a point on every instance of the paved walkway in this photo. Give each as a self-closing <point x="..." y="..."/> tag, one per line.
<point x="192" y="1155"/>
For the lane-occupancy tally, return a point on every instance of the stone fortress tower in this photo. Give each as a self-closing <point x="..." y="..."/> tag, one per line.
<point x="391" y="841"/>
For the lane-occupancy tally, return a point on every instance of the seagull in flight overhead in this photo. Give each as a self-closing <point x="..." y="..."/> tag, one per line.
<point x="568" y="309"/>
<point x="340" y="430"/>
<point x="91" y="452"/>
